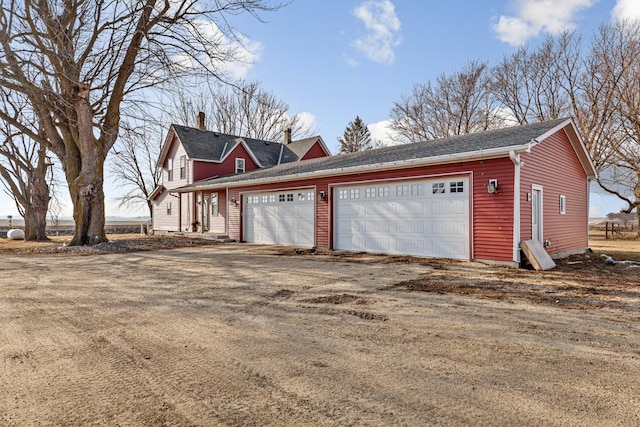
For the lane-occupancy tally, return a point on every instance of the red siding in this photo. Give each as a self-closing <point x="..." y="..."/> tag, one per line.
<point x="492" y="214"/>
<point x="314" y="152"/>
<point x="554" y="165"/>
<point x="204" y="170"/>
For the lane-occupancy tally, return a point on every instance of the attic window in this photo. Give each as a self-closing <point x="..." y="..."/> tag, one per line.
<point x="239" y="165"/>
<point x="563" y="205"/>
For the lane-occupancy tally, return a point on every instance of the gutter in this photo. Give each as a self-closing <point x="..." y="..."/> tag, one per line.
<point x="515" y="158"/>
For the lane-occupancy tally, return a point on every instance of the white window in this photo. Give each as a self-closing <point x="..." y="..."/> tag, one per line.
<point x="343" y="194"/>
<point x="438" y="188"/>
<point x="370" y="192"/>
<point x="214" y="204"/>
<point x="310" y="195"/>
<point x="183" y="167"/>
<point x="563" y="205"/>
<point x="456" y="187"/>
<point x="383" y="191"/>
<point x="402" y="190"/>
<point x="168" y="208"/>
<point x="239" y="165"/>
<point x="170" y="169"/>
<point x="272" y="198"/>
<point x="417" y="189"/>
<point x="354" y="193"/>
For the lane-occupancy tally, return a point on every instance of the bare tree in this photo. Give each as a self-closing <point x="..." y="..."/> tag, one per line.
<point x="78" y="61"/>
<point x="531" y="85"/>
<point x="456" y="104"/>
<point x="134" y="164"/>
<point x="356" y="137"/>
<point x="613" y="88"/>
<point x="24" y="164"/>
<point x="243" y="109"/>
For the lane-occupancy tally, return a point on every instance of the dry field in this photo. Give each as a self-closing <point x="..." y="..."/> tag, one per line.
<point x="229" y="334"/>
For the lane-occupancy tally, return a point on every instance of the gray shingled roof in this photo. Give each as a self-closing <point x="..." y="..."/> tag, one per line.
<point x="210" y="145"/>
<point x="456" y="145"/>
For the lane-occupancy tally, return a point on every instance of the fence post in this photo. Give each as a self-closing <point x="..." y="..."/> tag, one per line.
<point x="606" y="230"/>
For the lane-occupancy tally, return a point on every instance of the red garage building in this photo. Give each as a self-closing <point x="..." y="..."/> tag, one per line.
<point x="470" y="197"/>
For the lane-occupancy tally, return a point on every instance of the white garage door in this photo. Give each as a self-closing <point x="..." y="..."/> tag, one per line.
<point x="282" y="218"/>
<point x="425" y="218"/>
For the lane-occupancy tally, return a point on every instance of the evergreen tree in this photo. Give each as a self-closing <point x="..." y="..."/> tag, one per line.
<point x="356" y="137"/>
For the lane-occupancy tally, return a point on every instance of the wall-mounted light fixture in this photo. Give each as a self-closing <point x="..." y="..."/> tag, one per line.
<point x="323" y="195"/>
<point x="492" y="187"/>
<point x="234" y="201"/>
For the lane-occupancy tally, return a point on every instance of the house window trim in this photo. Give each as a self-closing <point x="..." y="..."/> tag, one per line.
<point x="563" y="204"/>
<point x="168" y="208"/>
<point x="170" y="169"/>
<point x="183" y="167"/>
<point x="240" y="165"/>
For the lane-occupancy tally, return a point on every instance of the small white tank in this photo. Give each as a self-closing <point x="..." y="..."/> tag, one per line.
<point x="15" y="234"/>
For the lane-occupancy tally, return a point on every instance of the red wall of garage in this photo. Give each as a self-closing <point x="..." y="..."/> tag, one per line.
<point x="554" y="165"/>
<point x="491" y="214"/>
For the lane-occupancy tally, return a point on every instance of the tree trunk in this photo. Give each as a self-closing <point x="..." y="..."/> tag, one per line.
<point x="35" y="215"/>
<point x="87" y="188"/>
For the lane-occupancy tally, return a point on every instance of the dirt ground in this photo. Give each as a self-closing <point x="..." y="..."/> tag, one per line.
<point x="230" y="334"/>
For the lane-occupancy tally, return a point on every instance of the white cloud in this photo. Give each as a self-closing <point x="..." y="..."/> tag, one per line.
<point x="626" y="9"/>
<point x="381" y="131"/>
<point x="307" y="120"/>
<point x="532" y="17"/>
<point x="245" y="52"/>
<point x="383" y="30"/>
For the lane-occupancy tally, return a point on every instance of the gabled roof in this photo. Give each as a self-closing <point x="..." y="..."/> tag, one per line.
<point x="301" y="147"/>
<point x="482" y="145"/>
<point x="213" y="146"/>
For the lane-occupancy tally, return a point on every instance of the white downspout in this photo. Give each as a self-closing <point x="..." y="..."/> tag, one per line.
<point x="515" y="158"/>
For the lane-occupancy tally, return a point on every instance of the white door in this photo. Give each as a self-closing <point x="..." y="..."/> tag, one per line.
<point x="536" y="213"/>
<point x="280" y="218"/>
<point x="423" y="218"/>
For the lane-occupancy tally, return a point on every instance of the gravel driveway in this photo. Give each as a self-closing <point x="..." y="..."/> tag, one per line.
<point x="256" y="335"/>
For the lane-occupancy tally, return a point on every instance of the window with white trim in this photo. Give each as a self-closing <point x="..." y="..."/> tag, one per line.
<point x="170" y="169"/>
<point x="417" y="189"/>
<point x="354" y="193"/>
<point x="438" y="188"/>
<point x="183" y="167"/>
<point x="281" y="198"/>
<point x="383" y="191"/>
<point x="343" y="194"/>
<point x="290" y="197"/>
<point x="370" y="192"/>
<point x="168" y="208"/>
<point x="214" y="204"/>
<point x="563" y="204"/>
<point x="239" y="165"/>
<point x="456" y="187"/>
<point x="402" y="190"/>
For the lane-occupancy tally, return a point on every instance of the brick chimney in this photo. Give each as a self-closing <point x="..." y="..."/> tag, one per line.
<point x="200" y="121"/>
<point x="287" y="136"/>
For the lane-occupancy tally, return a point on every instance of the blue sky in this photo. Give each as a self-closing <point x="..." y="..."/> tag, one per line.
<point x="335" y="59"/>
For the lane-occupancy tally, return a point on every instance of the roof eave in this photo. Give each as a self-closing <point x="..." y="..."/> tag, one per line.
<point x="425" y="161"/>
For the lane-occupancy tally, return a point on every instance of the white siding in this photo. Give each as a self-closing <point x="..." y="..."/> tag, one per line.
<point x="161" y="220"/>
